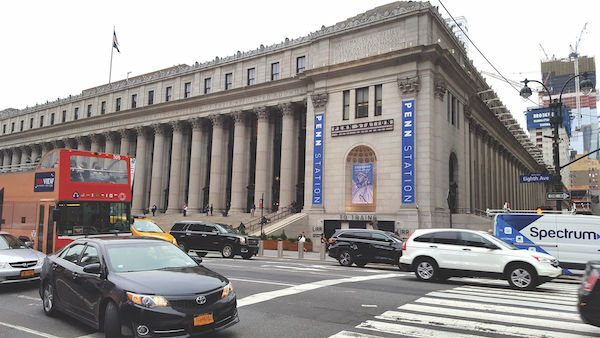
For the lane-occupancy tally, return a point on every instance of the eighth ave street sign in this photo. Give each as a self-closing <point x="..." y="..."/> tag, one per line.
<point x="558" y="196"/>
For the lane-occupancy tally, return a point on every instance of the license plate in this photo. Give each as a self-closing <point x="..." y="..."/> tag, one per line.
<point x="203" y="319"/>
<point x="26" y="273"/>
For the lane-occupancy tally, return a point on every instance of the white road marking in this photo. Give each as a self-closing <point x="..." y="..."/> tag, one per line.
<point x="24" y="329"/>
<point x="410" y="331"/>
<point x="350" y="334"/>
<point x="30" y="298"/>
<point x="369" y="305"/>
<point x="260" y="281"/>
<point x="487" y="299"/>
<point x="265" y="296"/>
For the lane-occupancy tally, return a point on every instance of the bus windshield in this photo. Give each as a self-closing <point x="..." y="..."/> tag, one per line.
<point x="93" y="218"/>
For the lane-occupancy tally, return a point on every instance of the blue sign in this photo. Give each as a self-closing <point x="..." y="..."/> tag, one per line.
<point x="534" y="178"/>
<point x="317" y="193"/>
<point x="408" y="152"/>
<point x="44" y="182"/>
<point x="539" y="118"/>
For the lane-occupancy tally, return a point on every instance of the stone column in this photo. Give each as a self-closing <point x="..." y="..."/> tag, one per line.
<point x="95" y="139"/>
<point x="157" y="166"/>
<point x="35" y="152"/>
<point x="262" y="160"/>
<point x="195" y="183"/>
<point x="125" y="144"/>
<point x="24" y="155"/>
<point x="238" y="185"/>
<point x="7" y="159"/>
<point x="46" y="147"/>
<point x="109" y="146"/>
<point x="175" y="204"/>
<point x="141" y="165"/>
<point x="81" y="142"/>
<point x="286" y="183"/>
<point x="214" y="196"/>
<point x="16" y="157"/>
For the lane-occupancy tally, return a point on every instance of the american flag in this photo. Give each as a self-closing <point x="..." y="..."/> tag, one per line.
<point x="115" y="42"/>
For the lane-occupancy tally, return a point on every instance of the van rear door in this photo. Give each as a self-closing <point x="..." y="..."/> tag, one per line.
<point x="579" y="240"/>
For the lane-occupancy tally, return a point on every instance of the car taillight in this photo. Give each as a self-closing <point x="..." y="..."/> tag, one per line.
<point x="331" y="240"/>
<point x="406" y="240"/>
<point x="590" y="281"/>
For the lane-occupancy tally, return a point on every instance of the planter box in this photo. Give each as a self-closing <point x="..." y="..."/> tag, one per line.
<point x="271" y="244"/>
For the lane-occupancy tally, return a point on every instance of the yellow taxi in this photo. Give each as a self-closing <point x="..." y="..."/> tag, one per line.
<point x="147" y="227"/>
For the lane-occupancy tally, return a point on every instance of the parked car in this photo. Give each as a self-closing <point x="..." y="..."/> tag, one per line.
<point x="363" y="246"/>
<point x="147" y="227"/>
<point x="203" y="237"/>
<point x="435" y="254"/>
<point x="589" y="294"/>
<point x="136" y="286"/>
<point x="18" y="261"/>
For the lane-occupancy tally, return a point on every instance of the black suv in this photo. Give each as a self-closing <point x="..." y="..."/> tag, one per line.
<point x="362" y="246"/>
<point x="203" y="237"/>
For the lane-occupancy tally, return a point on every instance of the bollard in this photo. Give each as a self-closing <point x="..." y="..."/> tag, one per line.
<point x="279" y="249"/>
<point x="261" y="248"/>
<point x="300" y="250"/>
<point x="323" y="251"/>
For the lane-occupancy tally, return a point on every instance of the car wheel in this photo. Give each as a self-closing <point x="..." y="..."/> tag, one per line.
<point x="112" y="321"/>
<point x="247" y="256"/>
<point x="360" y="264"/>
<point x="426" y="270"/>
<point x="522" y="277"/>
<point x="182" y="246"/>
<point x="48" y="300"/>
<point x="345" y="258"/>
<point x="227" y="251"/>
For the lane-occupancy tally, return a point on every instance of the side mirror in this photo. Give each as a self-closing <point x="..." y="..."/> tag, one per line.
<point x="490" y="246"/>
<point x="92" y="268"/>
<point x="197" y="259"/>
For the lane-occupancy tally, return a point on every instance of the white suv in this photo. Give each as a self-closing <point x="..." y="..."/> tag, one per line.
<point x="435" y="254"/>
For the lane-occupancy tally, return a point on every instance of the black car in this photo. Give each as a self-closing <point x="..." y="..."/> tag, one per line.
<point x="204" y="237"/>
<point x="362" y="246"/>
<point x="136" y="286"/>
<point x="589" y="294"/>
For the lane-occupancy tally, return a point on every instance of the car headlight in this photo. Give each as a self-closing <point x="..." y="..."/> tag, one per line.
<point x="227" y="291"/>
<point x="174" y="241"/>
<point x="149" y="301"/>
<point x="40" y="262"/>
<point x="543" y="259"/>
<point x="243" y="240"/>
<point x="4" y="265"/>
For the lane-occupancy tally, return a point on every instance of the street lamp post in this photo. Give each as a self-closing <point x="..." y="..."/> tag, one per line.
<point x="555" y="120"/>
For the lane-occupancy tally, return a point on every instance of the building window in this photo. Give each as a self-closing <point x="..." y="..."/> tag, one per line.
<point x="151" y="97"/>
<point x="362" y="102"/>
<point x="76" y="114"/>
<point x="251" y="76"/>
<point x="169" y="94"/>
<point x="228" y="81"/>
<point x="187" y="90"/>
<point x="118" y="107"/>
<point x="300" y="64"/>
<point x="346" y="108"/>
<point x="89" y="110"/>
<point x="22" y="124"/>
<point x="275" y="71"/>
<point x="207" y="86"/>
<point x="133" y="100"/>
<point x="52" y="119"/>
<point x="378" y="102"/>
<point x="64" y="116"/>
<point x="4" y="129"/>
<point x="31" y="123"/>
<point x="103" y="108"/>
<point x="539" y="133"/>
<point x="538" y="140"/>
<point x="41" y="121"/>
<point x="12" y="127"/>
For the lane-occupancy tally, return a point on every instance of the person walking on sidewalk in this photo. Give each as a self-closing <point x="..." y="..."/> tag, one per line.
<point x="154" y="210"/>
<point x="211" y="209"/>
<point x="302" y="238"/>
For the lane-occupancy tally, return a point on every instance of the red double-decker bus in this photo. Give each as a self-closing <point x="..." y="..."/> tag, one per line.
<point x="66" y="195"/>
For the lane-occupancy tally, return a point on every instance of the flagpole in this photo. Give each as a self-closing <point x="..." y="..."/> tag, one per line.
<point x="112" y="42"/>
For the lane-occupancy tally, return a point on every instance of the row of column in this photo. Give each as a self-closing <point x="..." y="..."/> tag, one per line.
<point x="173" y="167"/>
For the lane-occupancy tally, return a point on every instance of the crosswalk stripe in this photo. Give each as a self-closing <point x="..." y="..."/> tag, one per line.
<point x="411" y="331"/>
<point x="517" y="319"/>
<point x="559" y="296"/>
<point x="474" y="326"/>
<point x="350" y="334"/>
<point x="485" y="299"/>
<point x="499" y="308"/>
<point x="532" y="296"/>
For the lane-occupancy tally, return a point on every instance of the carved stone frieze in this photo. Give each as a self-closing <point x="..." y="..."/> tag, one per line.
<point x="239" y="117"/>
<point x="262" y="114"/>
<point x="439" y="88"/>
<point x="409" y="85"/>
<point x="319" y="101"/>
<point x="197" y="123"/>
<point x="287" y="109"/>
<point x="217" y="120"/>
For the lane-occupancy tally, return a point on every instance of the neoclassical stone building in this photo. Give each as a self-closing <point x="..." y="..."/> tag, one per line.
<point x="380" y="117"/>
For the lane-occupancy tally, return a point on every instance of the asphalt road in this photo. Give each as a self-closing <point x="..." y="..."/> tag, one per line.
<point x="309" y="298"/>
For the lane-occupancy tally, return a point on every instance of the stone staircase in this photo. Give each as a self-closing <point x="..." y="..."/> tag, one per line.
<point x="277" y="227"/>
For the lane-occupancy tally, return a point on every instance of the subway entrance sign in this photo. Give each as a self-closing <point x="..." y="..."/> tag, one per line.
<point x="558" y="196"/>
<point x="534" y="178"/>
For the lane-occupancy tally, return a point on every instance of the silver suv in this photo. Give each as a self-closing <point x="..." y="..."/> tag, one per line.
<point x="435" y="254"/>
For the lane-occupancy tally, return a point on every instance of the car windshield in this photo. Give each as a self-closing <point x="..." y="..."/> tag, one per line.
<point x="226" y="228"/>
<point x="142" y="225"/>
<point x="395" y="237"/>
<point x="10" y="242"/>
<point x="147" y="255"/>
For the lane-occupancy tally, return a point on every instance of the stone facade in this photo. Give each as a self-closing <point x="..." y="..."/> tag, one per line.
<point x="374" y="121"/>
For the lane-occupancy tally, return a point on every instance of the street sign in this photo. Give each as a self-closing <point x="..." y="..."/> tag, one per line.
<point x="534" y="178"/>
<point x="558" y="196"/>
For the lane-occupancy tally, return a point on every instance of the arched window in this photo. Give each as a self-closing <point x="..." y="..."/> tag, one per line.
<point x="361" y="178"/>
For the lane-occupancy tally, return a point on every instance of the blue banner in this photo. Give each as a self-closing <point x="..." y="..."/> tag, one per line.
<point x="44" y="182"/>
<point x="317" y="192"/>
<point x="408" y="152"/>
<point x="362" y="183"/>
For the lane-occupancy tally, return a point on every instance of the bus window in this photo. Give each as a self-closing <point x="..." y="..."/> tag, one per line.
<point x="98" y="170"/>
<point x="50" y="161"/>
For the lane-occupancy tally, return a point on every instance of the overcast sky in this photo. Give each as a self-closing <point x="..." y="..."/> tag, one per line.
<point x="53" y="49"/>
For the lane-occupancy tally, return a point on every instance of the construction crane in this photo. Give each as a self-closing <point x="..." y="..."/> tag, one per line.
<point x="574" y="53"/>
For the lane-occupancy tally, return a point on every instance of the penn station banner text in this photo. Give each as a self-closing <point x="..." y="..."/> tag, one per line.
<point x="317" y="191"/>
<point x="408" y="152"/>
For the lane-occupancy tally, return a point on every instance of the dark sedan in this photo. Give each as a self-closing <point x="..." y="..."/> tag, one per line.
<point x="589" y="294"/>
<point x="136" y="286"/>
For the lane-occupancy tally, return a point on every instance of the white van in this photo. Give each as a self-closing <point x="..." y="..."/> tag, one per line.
<point x="572" y="239"/>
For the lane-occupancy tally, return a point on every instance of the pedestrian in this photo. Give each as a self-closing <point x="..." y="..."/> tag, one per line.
<point x="154" y="210"/>
<point x="184" y="209"/>
<point x="324" y="240"/>
<point x="206" y="209"/>
<point x="211" y="209"/>
<point x="252" y="208"/>
<point x="302" y="238"/>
